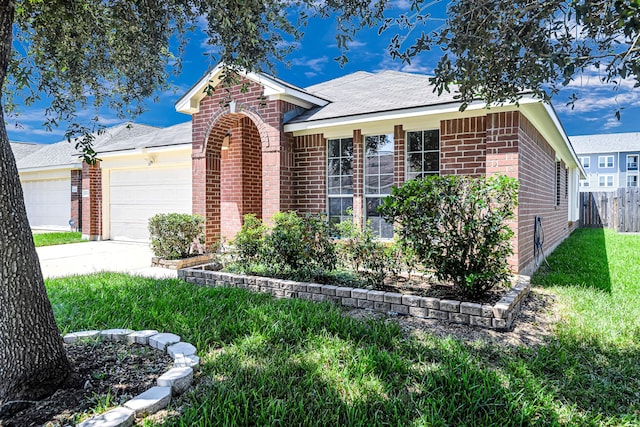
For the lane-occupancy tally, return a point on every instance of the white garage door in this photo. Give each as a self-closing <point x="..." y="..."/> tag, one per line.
<point x="137" y="194"/>
<point x="48" y="203"/>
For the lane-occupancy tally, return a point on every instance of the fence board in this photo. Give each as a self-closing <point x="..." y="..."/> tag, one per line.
<point x="619" y="209"/>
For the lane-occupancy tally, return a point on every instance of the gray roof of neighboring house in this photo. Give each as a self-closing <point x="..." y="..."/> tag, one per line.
<point x="23" y="149"/>
<point x="364" y="93"/>
<point x="174" y="135"/>
<point x="64" y="152"/>
<point x="606" y="143"/>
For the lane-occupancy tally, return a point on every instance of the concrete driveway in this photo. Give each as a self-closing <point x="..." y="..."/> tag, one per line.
<point x="91" y="257"/>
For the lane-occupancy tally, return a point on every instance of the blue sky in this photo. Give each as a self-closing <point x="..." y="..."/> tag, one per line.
<point x="313" y="62"/>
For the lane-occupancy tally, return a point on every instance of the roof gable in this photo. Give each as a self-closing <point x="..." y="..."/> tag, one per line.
<point x="274" y="88"/>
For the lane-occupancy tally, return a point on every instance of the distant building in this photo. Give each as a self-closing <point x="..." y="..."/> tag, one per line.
<point x="610" y="160"/>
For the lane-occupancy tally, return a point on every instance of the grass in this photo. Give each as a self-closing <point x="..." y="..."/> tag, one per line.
<point x="59" y="238"/>
<point x="292" y="362"/>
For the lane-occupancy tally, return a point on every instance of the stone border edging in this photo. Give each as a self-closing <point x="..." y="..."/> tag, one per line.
<point x="499" y="316"/>
<point x="173" y="382"/>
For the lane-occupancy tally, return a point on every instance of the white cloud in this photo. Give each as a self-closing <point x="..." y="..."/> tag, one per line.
<point x="416" y="66"/>
<point x="313" y="64"/>
<point x="611" y="123"/>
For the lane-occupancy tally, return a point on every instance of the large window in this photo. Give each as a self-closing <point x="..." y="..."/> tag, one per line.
<point x="632" y="180"/>
<point x="423" y="153"/>
<point x="605" y="161"/>
<point x="605" y="180"/>
<point x="339" y="178"/>
<point x="632" y="162"/>
<point x="378" y="179"/>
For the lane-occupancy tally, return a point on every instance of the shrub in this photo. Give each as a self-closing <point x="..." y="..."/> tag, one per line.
<point x="175" y="236"/>
<point x="457" y="225"/>
<point x="302" y="245"/>
<point x="249" y="242"/>
<point x="361" y="252"/>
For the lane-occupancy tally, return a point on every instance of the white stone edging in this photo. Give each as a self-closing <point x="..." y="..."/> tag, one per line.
<point x="499" y="316"/>
<point x="173" y="382"/>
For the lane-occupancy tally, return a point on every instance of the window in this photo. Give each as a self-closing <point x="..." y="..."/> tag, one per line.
<point x="586" y="162"/>
<point x="339" y="178"/>
<point x="584" y="183"/>
<point x="605" y="161"/>
<point x="632" y="180"/>
<point x="378" y="179"/>
<point x="605" y="181"/>
<point x="632" y="162"/>
<point x="423" y="153"/>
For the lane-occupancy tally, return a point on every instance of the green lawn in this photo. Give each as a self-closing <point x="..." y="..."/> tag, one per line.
<point x="292" y="362"/>
<point x="60" y="238"/>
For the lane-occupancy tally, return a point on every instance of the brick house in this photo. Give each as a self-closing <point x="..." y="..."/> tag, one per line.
<point x="272" y="146"/>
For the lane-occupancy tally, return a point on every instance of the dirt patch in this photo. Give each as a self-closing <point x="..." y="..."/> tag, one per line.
<point x="532" y="326"/>
<point x="106" y="375"/>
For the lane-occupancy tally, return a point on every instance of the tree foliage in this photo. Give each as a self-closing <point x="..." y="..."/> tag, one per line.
<point x="495" y="50"/>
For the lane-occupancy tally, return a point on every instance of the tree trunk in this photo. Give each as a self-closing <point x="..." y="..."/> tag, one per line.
<point x="33" y="362"/>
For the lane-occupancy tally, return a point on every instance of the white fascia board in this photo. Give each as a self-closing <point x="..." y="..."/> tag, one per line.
<point x="144" y="150"/>
<point x="190" y="102"/>
<point x="52" y="168"/>
<point x="448" y="108"/>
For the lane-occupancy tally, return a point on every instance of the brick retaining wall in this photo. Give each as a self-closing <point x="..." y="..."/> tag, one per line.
<point x="499" y="316"/>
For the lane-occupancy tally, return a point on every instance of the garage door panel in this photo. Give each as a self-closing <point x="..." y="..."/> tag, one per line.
<point x="135" y="195"/>
<point x="48" y="202"/>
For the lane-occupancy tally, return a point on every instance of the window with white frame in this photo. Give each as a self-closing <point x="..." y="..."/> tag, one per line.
<point x="632" y="180"/>
<point x="378" y="179"/>
<point x="339" y="178"/>
<point x="605" y="161"/>
<point x="632" y="162"/>
<point x="584" y="182"/>
<point x="423" y="153"/>
<point x="605" y="180"/>
<point x="586" y="162"/>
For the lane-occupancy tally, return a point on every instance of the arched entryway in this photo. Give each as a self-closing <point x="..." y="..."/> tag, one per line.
<point x="233" y="185"/>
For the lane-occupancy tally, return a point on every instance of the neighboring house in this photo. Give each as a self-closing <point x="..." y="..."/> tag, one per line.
<point x="56" y="183"/>
<point x="265" y="146"/>
<point x="610" y="160"/>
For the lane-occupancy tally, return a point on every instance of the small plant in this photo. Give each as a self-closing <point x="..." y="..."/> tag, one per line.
<point x="457" y="225"/>
<point x="249" y="242"/>
<point x="175" y="236"/>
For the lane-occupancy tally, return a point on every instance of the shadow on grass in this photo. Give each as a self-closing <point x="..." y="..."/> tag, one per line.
<point x="293" y="362"/>
<point x="581" y="260"/>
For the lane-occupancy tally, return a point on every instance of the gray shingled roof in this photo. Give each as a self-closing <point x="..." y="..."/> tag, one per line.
<point x="606" y="143"/>
<point x="64" y="153"/>
<point x="174" y="135"/>
<point x="364" y="93"/>
<point x="23" y="149"/>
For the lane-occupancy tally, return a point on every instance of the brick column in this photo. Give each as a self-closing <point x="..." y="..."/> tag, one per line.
<point x="76" y="198"/>
<point x="92" y="202"/>
<point x="358" y="177"/>
<point x="399" y="156"/>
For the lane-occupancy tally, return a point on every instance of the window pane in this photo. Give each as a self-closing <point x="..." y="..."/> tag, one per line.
<point x="347" y="185"/>
<point x="432" y="140"/>
<point x="347" y="165"/>
<point x="335" y="206"/>
<point x="346" y="147"/>
<point x="333" y="148"/>
<point x="372" y="206"/>
<point x="386" y="163"/>
<point x="333" y="185"/>
<point x="372" y="184"/>
<point x="415" y="162"/>
<point x="431" y="162"/>
<point x="386" y="181"/>
<point x="333" y="167"/>
<point x="415" y="141"/>
<point x="371" y="145"/>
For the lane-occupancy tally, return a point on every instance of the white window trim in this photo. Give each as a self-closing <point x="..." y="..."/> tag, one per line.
<point x="605" y="179"/>
<point x="328" y="196"/>
<point x="366" y="195"/>
<point x="637" y="180"/>
<point x="613" y="162"/>
<point x="637" y="161"/>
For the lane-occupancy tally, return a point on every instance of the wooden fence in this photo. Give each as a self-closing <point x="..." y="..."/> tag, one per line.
<point x="619" y="209"/>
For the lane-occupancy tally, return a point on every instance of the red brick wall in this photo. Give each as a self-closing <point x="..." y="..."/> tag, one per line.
<point x="399" y="156"/>
<point x="210" y="125"/>
<point x="92" y="205"/>
<point x="463" y="146"/>
<point x="76" y="198"/>
<point x="537" y="168"/>
<point x="310" y="174"/>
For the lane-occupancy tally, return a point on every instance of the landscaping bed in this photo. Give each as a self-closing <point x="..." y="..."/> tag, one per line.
<point x="498" y="316"/>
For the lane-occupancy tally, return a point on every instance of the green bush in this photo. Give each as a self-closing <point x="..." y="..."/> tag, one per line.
<point x="175" y="236"/>
<point x="249" y="242"/>
<point x="300" y="245"/>
<point x="457" y="225"/>
<point x="359" y="251"/>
